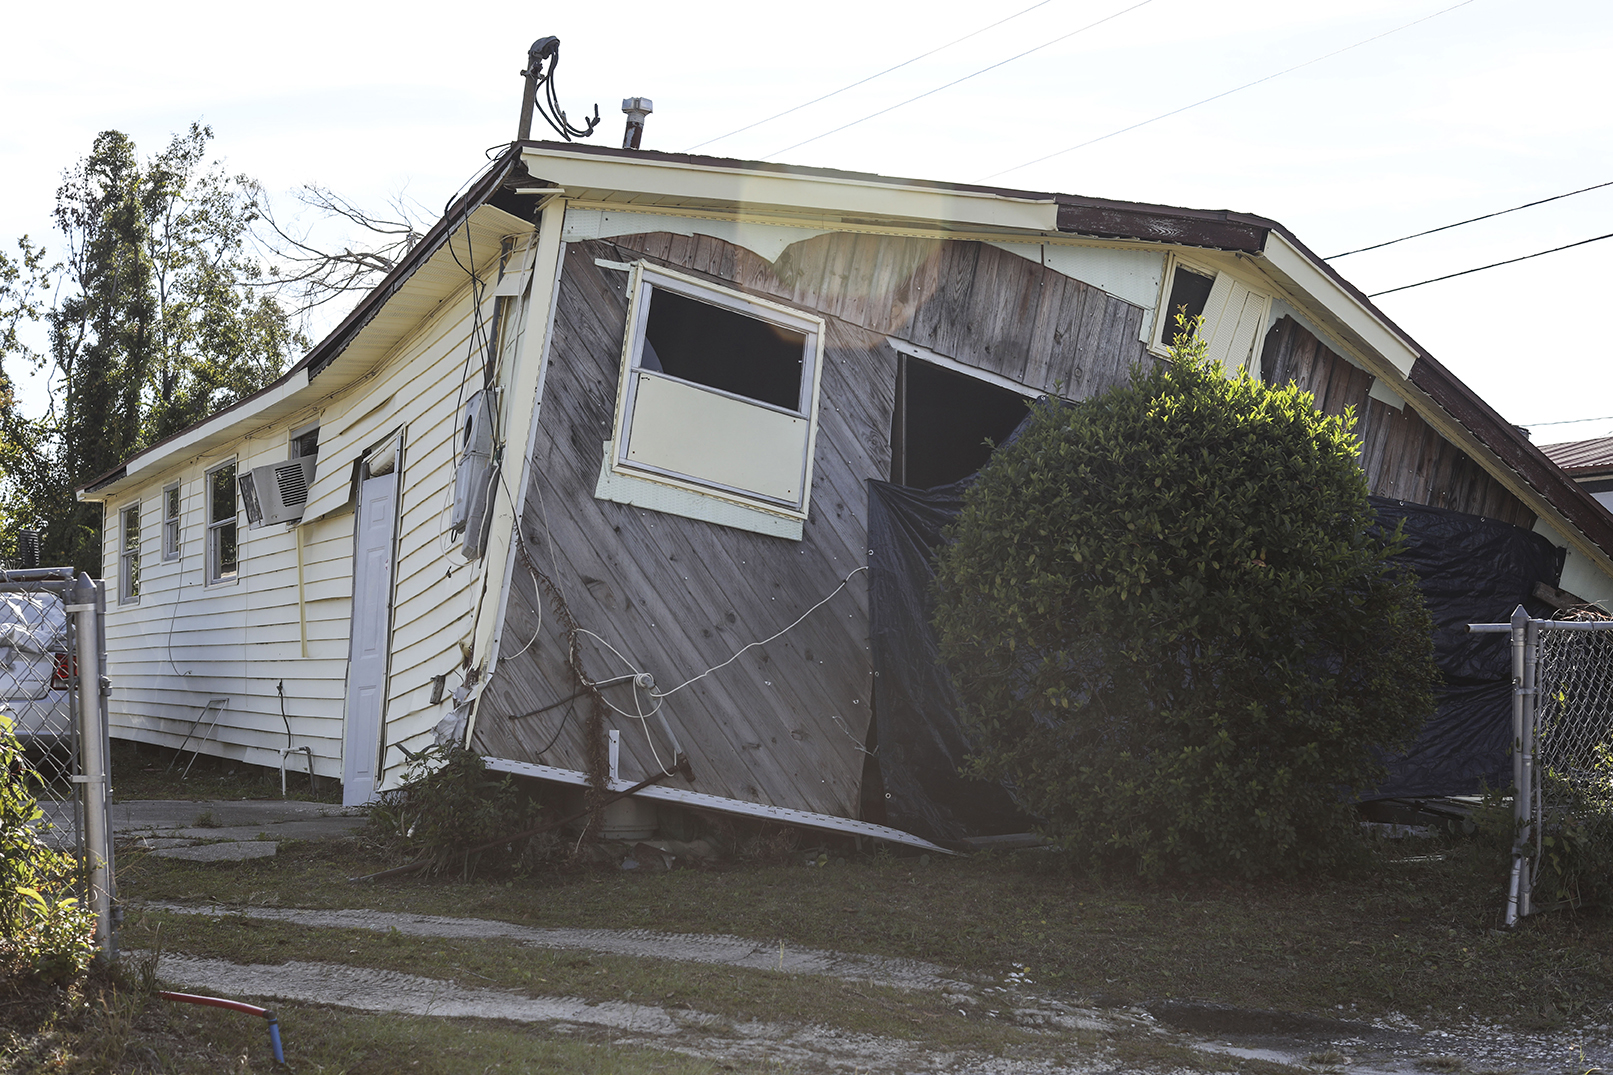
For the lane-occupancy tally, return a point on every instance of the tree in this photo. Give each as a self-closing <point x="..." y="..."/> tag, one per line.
<point x="155" y="325"/>
<point x="1175" y="628"/>
<point x="316" y="270"/>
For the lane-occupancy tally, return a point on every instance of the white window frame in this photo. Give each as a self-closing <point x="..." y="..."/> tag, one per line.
<point x="1164" y="318"/>
<point x="129" y="555"/>
<point x="296" y="434"/>
<point x="216" y="576"/>
<point x="173" y="506"/>
<point x="643" y="279"/>
<point x="1235" y="315"/>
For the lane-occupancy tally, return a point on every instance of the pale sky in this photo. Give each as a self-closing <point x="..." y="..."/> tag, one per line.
<point x="1482" y="106"/>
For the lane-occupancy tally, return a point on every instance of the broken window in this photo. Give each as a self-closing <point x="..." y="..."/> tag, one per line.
<point x="1190" y="290"/>
<point x="305" y="441"/>
<point x="719" y="391"/>
<point x="1234" y="313"/>
<point x="946" y="423"/>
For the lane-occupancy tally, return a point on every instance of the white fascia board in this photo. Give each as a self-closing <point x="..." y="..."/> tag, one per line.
<point x="1309" y="279"/>
<point x="205" y="436"/>
<point x="702" y="800"/>
<point x="817" y="196"/>
<point x="280" y="398"/>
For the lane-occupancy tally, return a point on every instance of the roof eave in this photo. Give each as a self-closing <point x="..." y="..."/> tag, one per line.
<point x="323" y="353"/>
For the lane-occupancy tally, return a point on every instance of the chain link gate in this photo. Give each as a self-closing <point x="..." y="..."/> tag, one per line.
<point x="52" y="688"/>
<point x="1562" y="722"/>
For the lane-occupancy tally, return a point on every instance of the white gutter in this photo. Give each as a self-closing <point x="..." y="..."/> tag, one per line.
<point x="644" y="181"/>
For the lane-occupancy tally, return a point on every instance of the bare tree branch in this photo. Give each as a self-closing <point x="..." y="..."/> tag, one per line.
<point x="312" y="271"/>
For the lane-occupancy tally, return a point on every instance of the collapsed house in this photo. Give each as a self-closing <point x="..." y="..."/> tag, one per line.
<point x="586" y="483"/>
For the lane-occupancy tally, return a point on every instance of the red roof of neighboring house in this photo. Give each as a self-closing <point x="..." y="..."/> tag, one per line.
<point x="1582" y="458"/>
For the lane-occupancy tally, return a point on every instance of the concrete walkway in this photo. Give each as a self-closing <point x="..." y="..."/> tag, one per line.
<point x="224" y="830"/>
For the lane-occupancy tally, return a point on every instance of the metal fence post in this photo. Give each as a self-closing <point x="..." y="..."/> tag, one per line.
<point x="1526" y="795"/>
<point x="1520" y="718"/>
<point x="88" y="607"/>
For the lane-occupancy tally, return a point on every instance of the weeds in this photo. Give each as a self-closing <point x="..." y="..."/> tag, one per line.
<point x="450" y="803"/>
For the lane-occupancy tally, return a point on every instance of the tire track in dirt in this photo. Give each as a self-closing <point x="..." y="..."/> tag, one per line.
<point x="686" y="947"/>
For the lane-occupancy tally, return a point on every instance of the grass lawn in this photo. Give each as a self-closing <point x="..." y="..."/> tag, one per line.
<point x="1415" y="931"/>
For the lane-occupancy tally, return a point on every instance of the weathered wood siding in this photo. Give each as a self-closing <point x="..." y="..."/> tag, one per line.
<point x="784" y="723"/>
<point x="239" y="640"/>
<point x="1402" y="455"/>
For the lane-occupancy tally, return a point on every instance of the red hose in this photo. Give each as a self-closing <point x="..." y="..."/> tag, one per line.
<point x="215" y="1002"/>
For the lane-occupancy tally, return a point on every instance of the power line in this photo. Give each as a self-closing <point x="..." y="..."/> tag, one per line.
<point x="1228" y="93"/>
<point x="965" y="78"/>
<point x="1567" y="422"/>
<point x="1492" y="265"/>
<point x="1471" y="220"/>
<point x="870" y="78"/>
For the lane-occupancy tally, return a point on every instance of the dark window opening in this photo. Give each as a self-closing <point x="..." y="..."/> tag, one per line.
<point x="1191" y="290"/>
<point x="305" y="444"/>
<point x="708" y="345"/>
<point x="942" y="422"/>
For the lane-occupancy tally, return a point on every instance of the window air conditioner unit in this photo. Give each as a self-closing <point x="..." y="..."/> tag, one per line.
<point x="278" y="492"/>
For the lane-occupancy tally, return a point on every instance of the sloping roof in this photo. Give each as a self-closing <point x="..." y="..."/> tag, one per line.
<point x="645" y="178"/>
<point x="1582" y="457"/>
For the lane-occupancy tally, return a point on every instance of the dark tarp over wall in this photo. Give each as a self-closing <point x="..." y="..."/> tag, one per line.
<point x="921" y="743"/>
<point x="1472" y="570"/>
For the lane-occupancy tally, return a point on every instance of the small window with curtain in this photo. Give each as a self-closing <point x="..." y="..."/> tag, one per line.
<point x="170" y="522"/>
<point x="222" y="551"/>
<point x="129" y="556"/>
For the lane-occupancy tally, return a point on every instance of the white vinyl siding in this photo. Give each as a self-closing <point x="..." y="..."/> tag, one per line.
<point x="1234" y="318"/>
<point x="287" y="618"/>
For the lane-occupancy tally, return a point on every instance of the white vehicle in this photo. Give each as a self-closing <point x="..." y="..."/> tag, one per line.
<point x="34" y="667"/>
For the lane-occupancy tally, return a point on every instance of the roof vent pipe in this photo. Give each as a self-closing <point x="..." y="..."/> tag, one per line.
<point x="636" y="108"/>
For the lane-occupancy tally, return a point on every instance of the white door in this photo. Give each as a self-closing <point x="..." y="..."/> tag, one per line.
<point x="372" y="627"/>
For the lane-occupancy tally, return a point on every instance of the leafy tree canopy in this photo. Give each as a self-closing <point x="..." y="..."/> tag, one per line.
<point x="1175" y="628"/>
<point x="150" y="320"/>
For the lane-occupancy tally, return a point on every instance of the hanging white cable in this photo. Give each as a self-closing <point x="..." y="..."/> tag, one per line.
<point x="762" y="642"/>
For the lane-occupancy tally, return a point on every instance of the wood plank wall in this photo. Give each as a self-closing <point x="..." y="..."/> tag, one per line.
<point x="1403" y="456"/>
<point x="784" y="723"/>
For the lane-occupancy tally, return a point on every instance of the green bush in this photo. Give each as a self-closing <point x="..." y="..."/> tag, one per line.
<point x="1175" y="630"/>
<point x="449" y="804"/>
<point x="1576" y="837"/>
<point x="44" y="932"/>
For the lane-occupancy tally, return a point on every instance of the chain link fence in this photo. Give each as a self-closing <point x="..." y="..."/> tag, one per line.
<point x="52" y="689"/>
<point x="1573" y="700"/>
<point x="1562" y="716"/>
